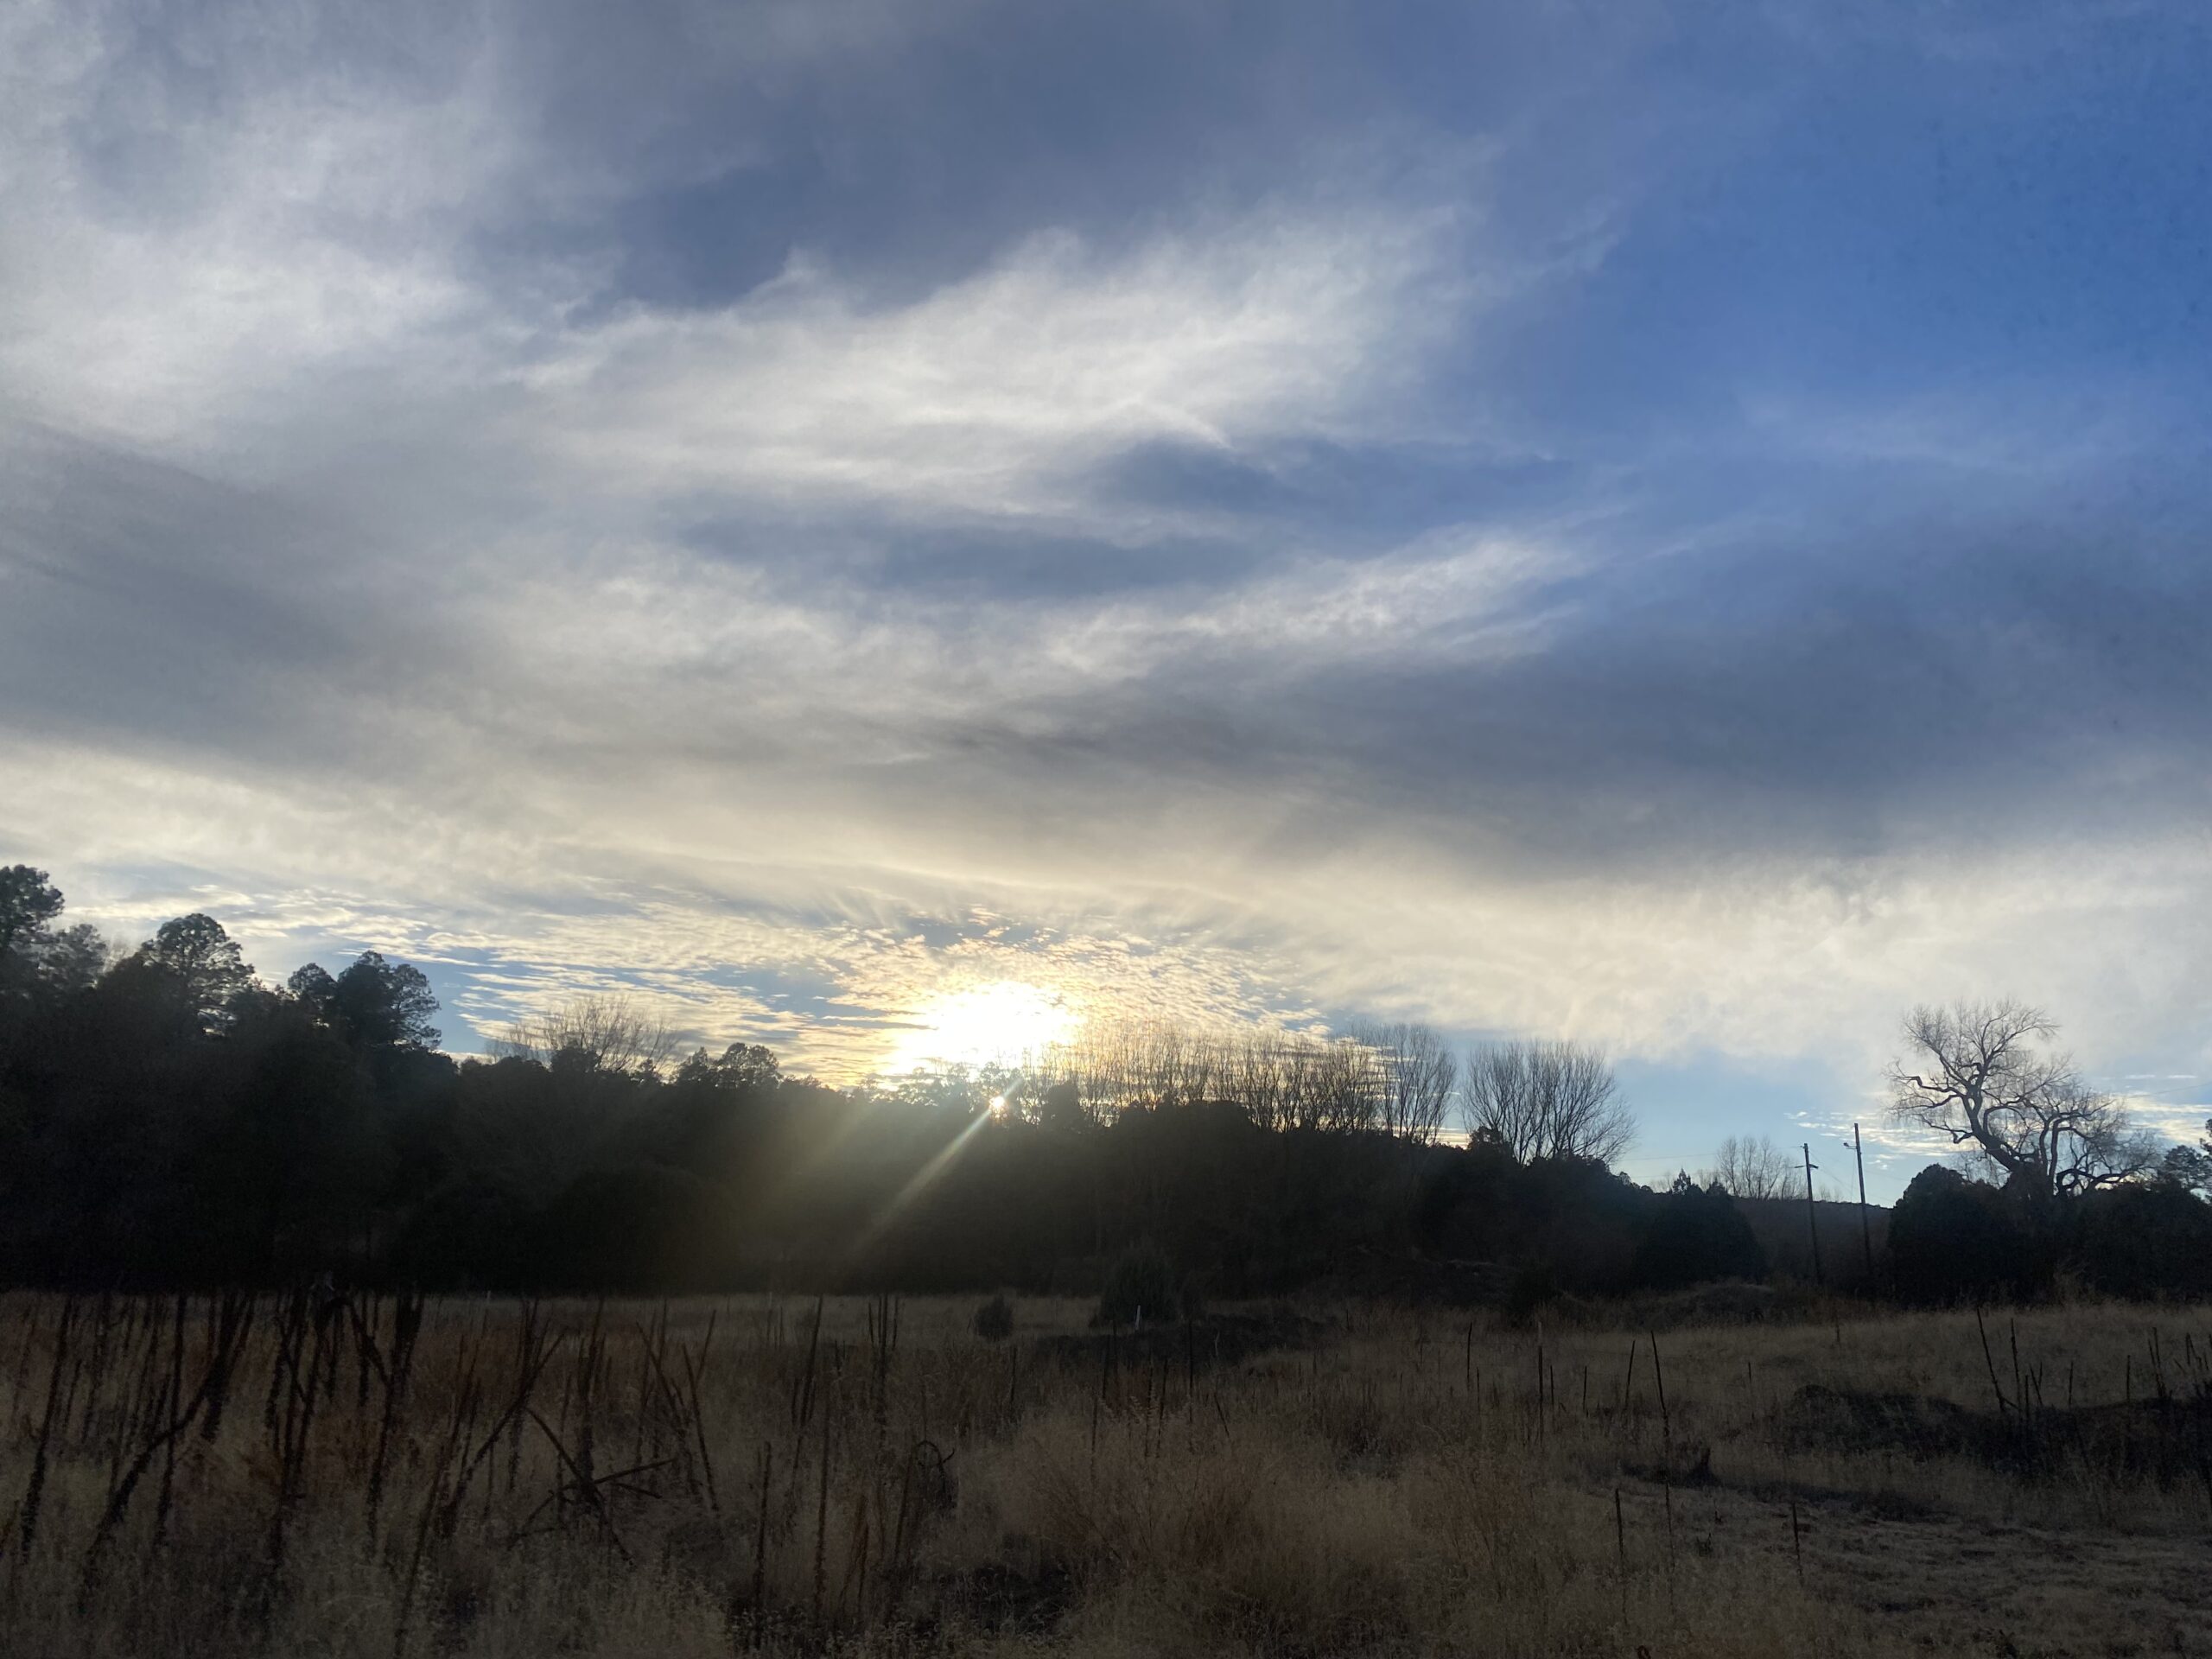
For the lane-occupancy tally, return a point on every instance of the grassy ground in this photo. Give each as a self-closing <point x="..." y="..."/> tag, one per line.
<point x="718" y="1476"/>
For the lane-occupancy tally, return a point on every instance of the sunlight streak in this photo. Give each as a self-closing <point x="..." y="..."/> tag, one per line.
<point x="923" y="1179"/>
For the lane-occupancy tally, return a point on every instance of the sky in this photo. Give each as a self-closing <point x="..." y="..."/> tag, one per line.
<point x="870" y="526"/>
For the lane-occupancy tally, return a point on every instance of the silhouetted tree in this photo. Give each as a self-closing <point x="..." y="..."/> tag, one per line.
<point x="2152" y="1238"/>
<point x="1977" y="1074"/>
<point x="611" y="1033"/>
<point x="1416" y="1077"/>
<point x="372" y="1004"/>
<point x="1952" y="1239"/>
<point x="1695" y="1234"/>
<point x="67" y="959"/>
<point x="638" y="1227"/>
<point x="965" y="1090"/>
<point x="2191" y="1167"/>
<point x="1749" y="1168"/>
<point x="200" y="963"/>
<point x="741" y="1065"/>
<point x="1548" y="1100"/>
<point x="166" y="1121"/>
<point x="28" y="901"/>
<point x="1060" y="1107"/>
<point x="39" y="962"/>
<point x="296" y="1143"/>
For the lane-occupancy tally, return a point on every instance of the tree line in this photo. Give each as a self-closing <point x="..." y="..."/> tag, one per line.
<point x="167" y="1118"/>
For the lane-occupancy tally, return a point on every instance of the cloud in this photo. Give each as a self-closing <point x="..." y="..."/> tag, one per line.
<point x="205" y="207"/>
<point x="462" y="504"/>
<point x="1000" y="394"/>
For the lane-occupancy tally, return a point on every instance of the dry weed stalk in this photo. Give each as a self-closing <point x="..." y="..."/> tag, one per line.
<point x="442" y="1460"/>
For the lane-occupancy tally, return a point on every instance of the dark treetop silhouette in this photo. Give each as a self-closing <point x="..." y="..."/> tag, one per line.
<point x="167" y="1119"/>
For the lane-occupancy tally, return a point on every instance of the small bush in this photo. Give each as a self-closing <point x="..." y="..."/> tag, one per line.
<point x="994" y="1320"/>
<point x="1141" y="1280"/>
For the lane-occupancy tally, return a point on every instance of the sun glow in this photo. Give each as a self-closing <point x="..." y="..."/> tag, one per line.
<point x="984" y="1024"/>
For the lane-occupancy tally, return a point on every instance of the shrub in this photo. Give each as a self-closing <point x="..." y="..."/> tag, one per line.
<point x="994" y="1320"/>
<point x="1141" y="1281"/>
<point x="1697" y="1234"/>
<point x="1955" y="1240"/>
<point x="2145" y="1241"/>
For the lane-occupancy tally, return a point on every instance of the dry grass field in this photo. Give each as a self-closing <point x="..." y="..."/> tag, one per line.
<point x="471" y="1477"/>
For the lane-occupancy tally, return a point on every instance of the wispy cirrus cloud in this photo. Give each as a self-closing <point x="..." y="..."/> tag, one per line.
<point x="1002" y="394"/>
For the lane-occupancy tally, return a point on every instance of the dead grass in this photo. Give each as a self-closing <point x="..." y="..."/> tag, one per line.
<point x="486" y="1477"/>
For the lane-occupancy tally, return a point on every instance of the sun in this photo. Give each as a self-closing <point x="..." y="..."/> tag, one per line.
<point x="983" y="1025"/>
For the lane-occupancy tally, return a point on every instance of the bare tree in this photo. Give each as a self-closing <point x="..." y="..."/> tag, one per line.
<point x="1416" y="1075"/>
<point x="1548" y="1100"/>
<point x="1979" y="1074"/>
<point x="1254" y="1078"/>
<point x="1119" y="1065"/>
<point x="1399" y="1078"/>
<point x="613" y="1032"/>
<point x="1174" y="1063"/>
<point x="1752" y="1168"/>
<point x="1344" y="1092"/>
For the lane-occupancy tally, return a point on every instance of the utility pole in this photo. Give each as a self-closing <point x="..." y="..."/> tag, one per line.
<point x="1865" y="1226"/>
<point x="1813" y="1215"/>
